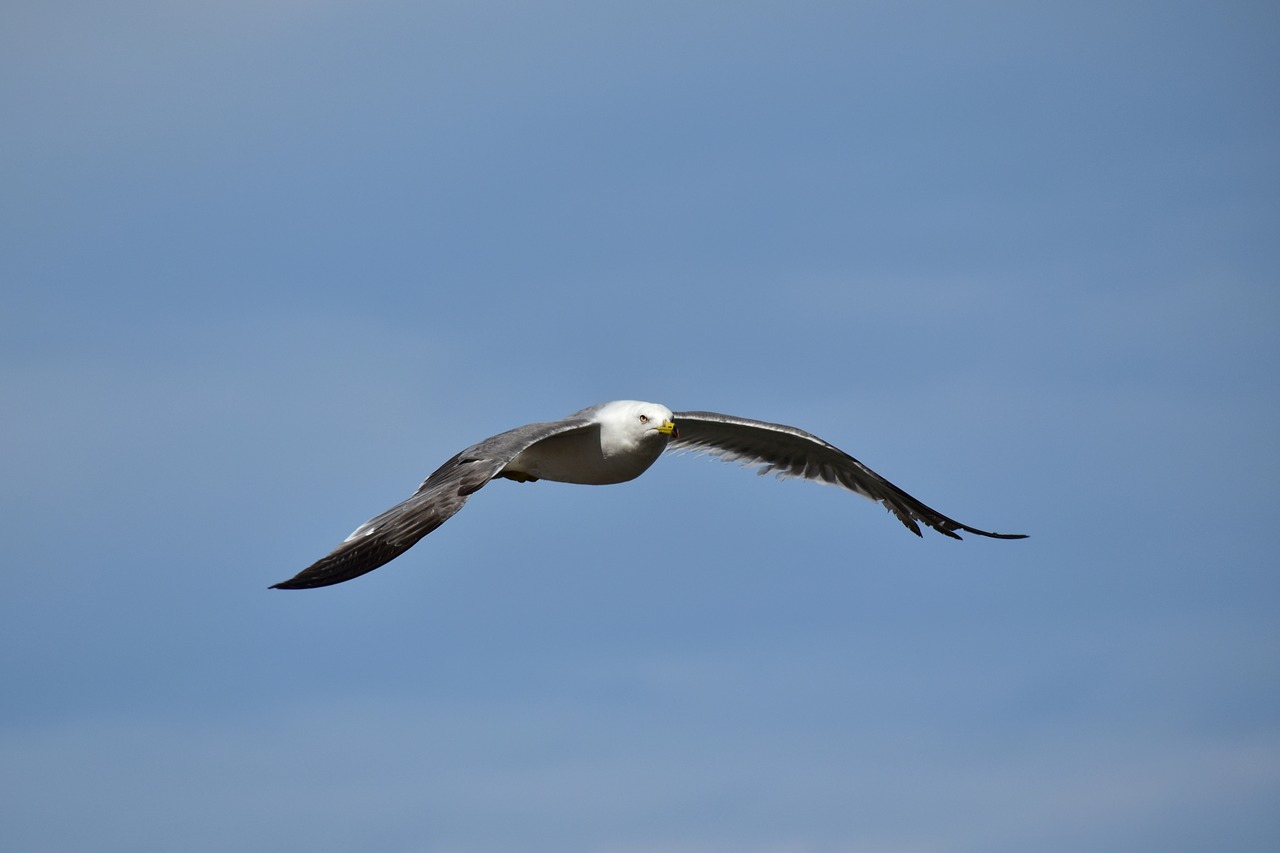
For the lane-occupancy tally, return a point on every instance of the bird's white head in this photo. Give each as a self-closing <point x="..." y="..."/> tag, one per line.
<point x="636" y="423"/>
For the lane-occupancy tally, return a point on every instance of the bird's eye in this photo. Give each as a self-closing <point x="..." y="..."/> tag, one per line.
<point x="644" y="419"/>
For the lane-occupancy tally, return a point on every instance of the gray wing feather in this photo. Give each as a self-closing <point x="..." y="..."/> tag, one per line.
<point x="389" y="534"/>
<point x="791" y="452"/>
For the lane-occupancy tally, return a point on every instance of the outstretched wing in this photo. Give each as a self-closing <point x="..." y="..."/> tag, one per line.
<point x="389" y="534"/>
<point x="791" y="452"/>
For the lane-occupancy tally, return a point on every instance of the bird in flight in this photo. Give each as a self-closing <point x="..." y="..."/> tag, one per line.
<point x="610" y="443"/>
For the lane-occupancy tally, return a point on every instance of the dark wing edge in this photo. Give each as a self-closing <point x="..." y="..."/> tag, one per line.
<point x="389" y="534"/>
<point x="788" y="451"/>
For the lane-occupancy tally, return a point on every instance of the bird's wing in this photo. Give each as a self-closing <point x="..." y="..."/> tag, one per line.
<point x="389" y="534"/>
<point x="791" y="452"/>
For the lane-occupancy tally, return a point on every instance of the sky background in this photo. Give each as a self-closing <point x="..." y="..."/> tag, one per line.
<point x="267" y="263"/>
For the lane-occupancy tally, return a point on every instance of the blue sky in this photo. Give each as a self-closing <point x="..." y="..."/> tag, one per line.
<point x="267" y="264"/>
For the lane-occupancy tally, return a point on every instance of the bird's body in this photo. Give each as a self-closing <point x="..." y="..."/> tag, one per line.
<point x="607" y="451"/>
<point x="601" y="445"/>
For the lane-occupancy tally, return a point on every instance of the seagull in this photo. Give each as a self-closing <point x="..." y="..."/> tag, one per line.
<point x="605" y="444"/>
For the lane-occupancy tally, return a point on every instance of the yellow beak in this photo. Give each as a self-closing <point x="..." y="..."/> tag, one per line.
<point x="669" y="428"/>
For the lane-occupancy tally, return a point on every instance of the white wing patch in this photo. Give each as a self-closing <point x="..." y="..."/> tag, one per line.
<point x="360" y="532"/>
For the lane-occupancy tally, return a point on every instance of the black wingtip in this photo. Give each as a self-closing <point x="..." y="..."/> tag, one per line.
<point x="315" y="580"/>
<point x="321" y="574"/>
<point x="305" y="579"/>
<point x="349" y="560"/>
<point x="990" y="535"/>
